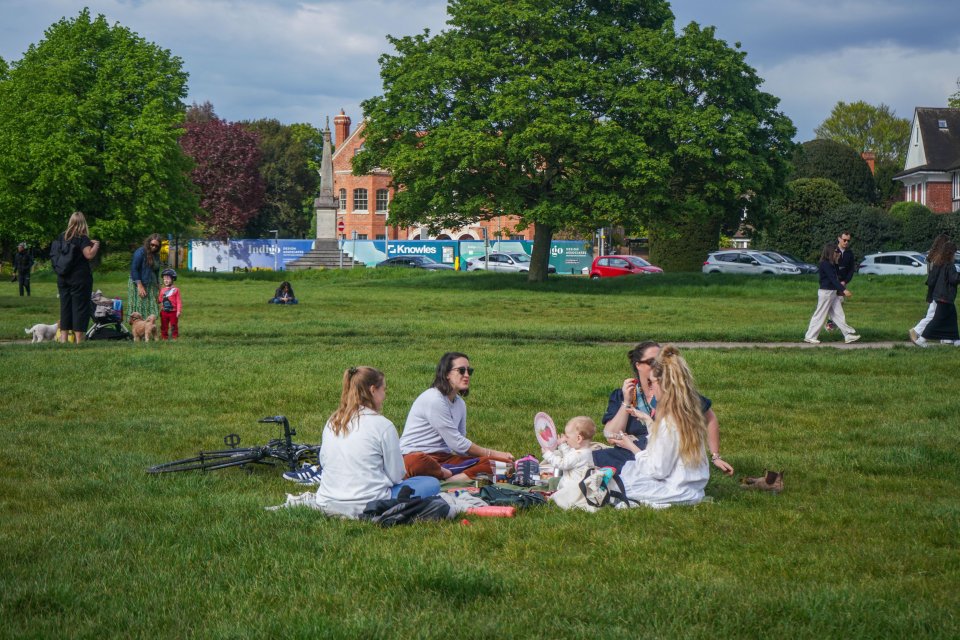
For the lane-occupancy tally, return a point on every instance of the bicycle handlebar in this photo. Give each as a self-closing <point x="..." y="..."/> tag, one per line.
<point x="277" y="419"/>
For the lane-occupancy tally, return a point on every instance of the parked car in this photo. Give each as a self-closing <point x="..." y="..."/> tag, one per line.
<point x="746" y="261"/>
<point x="894" y="263"/>
<point x="616" y="265"/>
<point x="515" y="262"/>
<point x="417" y="262"/>
<point x="780" y="256"/>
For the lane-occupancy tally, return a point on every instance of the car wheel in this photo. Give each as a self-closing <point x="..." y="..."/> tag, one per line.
<point x="594" y="277"/>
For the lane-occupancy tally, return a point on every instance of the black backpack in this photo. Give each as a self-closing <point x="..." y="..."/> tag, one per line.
<point x="63" y="256"/>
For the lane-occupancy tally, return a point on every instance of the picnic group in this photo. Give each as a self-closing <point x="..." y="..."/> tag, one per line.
<point x="658" y="433"/>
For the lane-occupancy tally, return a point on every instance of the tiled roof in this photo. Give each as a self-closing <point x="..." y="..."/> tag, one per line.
<point x="941" y="144"/>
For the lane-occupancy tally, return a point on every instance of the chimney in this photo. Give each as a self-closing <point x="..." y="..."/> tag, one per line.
<point x="868" y="156"/>
<point x="341" y="126"/>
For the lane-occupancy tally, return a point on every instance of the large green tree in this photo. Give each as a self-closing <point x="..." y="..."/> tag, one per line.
<point x="837" y="162"/>
<point x="865" y="127"/>
<point x="795" y="217"/>
<point x="89" y="121"/>
<point x="289" y="154"/>
<point x="572" y="114"/>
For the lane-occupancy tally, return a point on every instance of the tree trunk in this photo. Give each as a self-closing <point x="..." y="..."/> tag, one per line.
<point x="540" y="260"/>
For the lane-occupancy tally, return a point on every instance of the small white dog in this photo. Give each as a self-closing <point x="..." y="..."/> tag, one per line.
<point x="42" y="332"/>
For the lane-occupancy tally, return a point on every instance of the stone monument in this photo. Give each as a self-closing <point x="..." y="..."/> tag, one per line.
<point x="326" y="203"/>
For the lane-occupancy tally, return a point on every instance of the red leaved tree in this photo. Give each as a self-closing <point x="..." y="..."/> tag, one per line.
<point x="227" y="173"/>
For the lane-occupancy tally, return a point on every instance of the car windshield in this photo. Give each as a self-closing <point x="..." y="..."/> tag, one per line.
<point x="790" y="258"/>
<point x="919" y="258"/>
<point x="519" y="257"/>
<point x="775" y="257"/>
<point x="424" y="259"/>
<point x="638" y="262"/>
<point x="764" y="259"/>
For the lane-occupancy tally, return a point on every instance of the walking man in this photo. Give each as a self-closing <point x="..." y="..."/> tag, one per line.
<point x="22" y="265"/>
<point x="846" y="267"/>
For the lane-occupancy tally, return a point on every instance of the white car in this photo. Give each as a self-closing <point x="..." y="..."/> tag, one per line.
<point x="503" y="262"/>
<point x="745" y="261"/>
<point x="894" y="263"/>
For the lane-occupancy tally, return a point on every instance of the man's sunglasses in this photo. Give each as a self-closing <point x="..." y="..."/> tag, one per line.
<point x="463" y="370"/>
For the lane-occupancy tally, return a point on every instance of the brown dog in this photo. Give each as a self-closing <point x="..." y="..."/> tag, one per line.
<point x="141" y="328"/>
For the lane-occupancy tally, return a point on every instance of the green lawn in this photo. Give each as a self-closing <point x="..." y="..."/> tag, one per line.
<point x="862" y="543"/>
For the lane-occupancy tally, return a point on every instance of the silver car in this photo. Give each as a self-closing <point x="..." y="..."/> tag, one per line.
<point x="746" y="261"/>
<point x="894" y="263"/>
<point x="503" y="262"/>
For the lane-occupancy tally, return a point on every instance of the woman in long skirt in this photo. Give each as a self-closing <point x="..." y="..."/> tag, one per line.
<point x="942" y="283"/>
<point x="143" y="287"/>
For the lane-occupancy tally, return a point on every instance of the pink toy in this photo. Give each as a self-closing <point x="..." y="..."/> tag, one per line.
<point x="492" y="512"/>
<point x="545" y="430"/>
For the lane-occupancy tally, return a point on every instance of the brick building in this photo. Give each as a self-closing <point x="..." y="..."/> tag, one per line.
<point x="931" y="174"/>
<point x="364" y="200"/>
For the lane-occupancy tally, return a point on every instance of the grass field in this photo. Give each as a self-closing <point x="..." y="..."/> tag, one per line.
<point x="862" y="543"/>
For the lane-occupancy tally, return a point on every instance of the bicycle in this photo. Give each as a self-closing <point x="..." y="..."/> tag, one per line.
<point x="283" y="449"/>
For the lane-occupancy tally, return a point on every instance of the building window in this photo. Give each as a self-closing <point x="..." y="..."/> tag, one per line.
<point x="361" y="236"/>
<point x="381" y="236"/>
<point x="956" y="185"/>
<point x="383" y="199"/>
<point x="359" y="200"/>
<point x="343" y="199"/>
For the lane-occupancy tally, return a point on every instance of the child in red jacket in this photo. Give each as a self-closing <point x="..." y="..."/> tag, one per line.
<point x="170" y="305"/>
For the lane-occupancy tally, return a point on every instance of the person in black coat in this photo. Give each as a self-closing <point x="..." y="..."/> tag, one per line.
<point x="942" y="285"/>
<point x="829" y="294"/>
<point x="846" y="267"/>
<point x="76" y="286"/>
<point x="22" y="264"/>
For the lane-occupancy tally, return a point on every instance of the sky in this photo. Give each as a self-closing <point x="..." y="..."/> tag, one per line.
<point x="302" y="61"/>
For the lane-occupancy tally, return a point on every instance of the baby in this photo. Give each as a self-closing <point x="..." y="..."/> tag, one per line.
<point x="573" y="456"/>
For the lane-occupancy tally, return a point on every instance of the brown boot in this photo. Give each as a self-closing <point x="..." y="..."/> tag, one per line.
<point x="769" y="481"/>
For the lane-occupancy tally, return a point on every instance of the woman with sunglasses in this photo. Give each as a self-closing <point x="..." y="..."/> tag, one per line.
<point x="434" y="441"/>
<point x="639" y="393"/>
<point x="673" y="468"/>
<point x="143" y="287"/>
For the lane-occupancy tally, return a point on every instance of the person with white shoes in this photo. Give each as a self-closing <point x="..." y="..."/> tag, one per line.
<point x="828" y="298"/>
<point x="942" y="285"/>
<point x="916" y="332"/>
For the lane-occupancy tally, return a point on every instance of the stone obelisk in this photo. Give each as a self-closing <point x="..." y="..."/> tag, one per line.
<point x="326" y="204"/>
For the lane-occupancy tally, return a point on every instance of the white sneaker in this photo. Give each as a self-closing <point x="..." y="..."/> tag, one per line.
<point x="946" y="342"/>
<point x="851" y="337"/>
<point x="913" y="336"/>
<point x="922" y="342"/>
<point x="811" y="341"/>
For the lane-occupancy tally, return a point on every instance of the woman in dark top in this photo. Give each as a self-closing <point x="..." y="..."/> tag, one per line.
<point x="284" y="294"/>
<point x="76" y="287"/>
<point x="828" y="298"/>
<point x="942" y="285"/>
<point x="143" y="287"/>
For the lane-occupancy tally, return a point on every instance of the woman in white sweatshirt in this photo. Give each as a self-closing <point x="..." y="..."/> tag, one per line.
<point x="360" y="450"/>
<point x="673" y="468"/>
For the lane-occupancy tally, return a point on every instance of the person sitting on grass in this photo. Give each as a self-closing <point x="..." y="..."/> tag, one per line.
<point x="638" y="392"/>
<point x="283" y="294"/>
<point x="573" y="457"/>
<point x="435" y="434"/>
<point x="360" y="451"/>
<point x="673" y="468"/>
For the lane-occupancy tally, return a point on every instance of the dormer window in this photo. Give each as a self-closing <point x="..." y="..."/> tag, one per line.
<point x="942" y="124"/>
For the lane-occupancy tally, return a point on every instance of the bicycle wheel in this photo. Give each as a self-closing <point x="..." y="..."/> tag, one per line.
<point x="211" y="460"/>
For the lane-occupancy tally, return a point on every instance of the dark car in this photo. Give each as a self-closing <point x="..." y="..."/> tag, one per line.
<point x="417" y="262"/>
<point x="780" y="256"/>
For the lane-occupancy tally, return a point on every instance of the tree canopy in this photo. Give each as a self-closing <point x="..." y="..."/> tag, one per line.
<point x="572" y="114"/>
<point x="865" y="127"/>
<point x="226" y="171"/>
<point x="289" y="154"/>
<point x="89" y="121"/>
<point x="795" y="221"/>
<point x="838" y="162"/>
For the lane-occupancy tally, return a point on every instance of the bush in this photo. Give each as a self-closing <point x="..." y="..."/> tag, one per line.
<point x="683" y="246"/>
<point x="796" y="220"/>
<point x="871" y="228"/>
<point x="918" y="225"/>
<point x="837" y="162"/>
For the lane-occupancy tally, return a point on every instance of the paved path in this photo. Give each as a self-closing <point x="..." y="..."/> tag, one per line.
<point x="838" y="344"/>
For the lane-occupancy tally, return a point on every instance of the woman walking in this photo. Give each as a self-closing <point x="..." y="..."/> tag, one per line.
<point x="76" y="286"/>
<point x="143" y="287"/>
<point x="942" y="287"/>
<point x="935" y="249"/>
<point x="360" y="451"/>
<point x="829" y="298"/>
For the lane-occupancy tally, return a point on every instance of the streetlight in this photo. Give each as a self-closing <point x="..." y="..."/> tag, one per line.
<point x="276" y="248"/>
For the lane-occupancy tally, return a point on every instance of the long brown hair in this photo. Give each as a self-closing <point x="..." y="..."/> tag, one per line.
<point x="148" y="252"/>
<point x="678" y="400"/>
<point x="444" y="367"/>
<point x="76" y="227"/>
<point x="945" y="254"/>
<point x="355" y="395"/>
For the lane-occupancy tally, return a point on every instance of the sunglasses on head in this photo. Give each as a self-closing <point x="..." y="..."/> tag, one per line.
<point x="463" y="370"/>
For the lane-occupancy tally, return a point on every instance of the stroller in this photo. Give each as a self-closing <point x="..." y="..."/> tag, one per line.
<point x="107" y="319"/>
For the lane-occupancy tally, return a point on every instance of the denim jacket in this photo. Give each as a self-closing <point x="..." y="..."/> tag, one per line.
<point x="140" y="270"/>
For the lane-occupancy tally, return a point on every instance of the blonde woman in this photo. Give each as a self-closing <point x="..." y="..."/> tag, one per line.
<point x="673" y="468"/>
<point x="360" y="451"/>
<point x="76" y="286"/>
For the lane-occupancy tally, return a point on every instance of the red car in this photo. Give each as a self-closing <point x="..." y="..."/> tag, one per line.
<point x="611" y="266"/>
